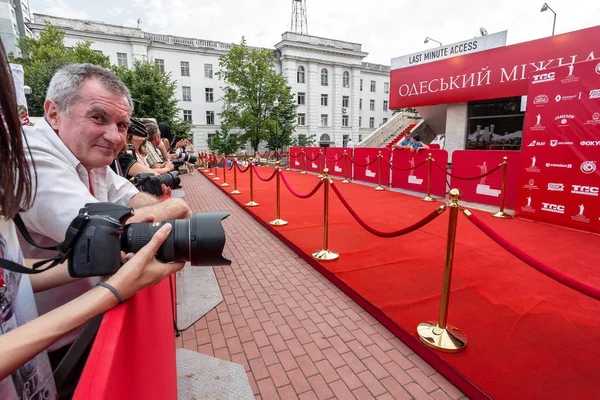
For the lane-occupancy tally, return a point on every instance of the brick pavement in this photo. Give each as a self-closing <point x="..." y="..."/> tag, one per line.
<point x="296" y="333"/>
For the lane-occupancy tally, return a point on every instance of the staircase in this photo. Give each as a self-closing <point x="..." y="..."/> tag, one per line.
<point x="391" y="144"/>
<point x="388" y="131"/>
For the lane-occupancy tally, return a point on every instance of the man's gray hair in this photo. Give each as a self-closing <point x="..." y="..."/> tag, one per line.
<point x="67" y="82"/>
<point x="152" y="128"/>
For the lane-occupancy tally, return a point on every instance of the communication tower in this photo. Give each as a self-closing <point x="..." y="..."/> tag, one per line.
<point x="299" y="22"/>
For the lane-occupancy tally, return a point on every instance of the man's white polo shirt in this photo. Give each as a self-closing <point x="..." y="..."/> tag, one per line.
<point x="62" y="190"/>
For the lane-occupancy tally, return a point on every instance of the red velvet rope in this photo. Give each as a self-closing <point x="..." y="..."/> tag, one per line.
<point x="361" y="165"/>
<point x="295" y="155"/>
<point x="302" y="196"/>
<point x="434" y="214"/>
<point x="225" y="164"/>
<point x="405" y="169"/>
<point x="260" y="177"/>
<point x="534" y="263"/>
<point x="333" y="159"/>
<point x="467" y="179"/>
<point x="313" y="159"/>
<point x="239" y="169"/>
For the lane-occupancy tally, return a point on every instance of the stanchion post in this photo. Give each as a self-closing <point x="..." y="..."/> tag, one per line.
<point x="278" y="221"/>
<point x="216" y="169"/>
<point x="289" y="161"/>
<point x="322" y="156"/>
<point x="224" y="184"/>
<point x="345" y="168"/>
<point x="303" y="164"/>
<point x="210" y="166"/>
<point x="441" y="336"/>
<point x="251" y="203"/>
<point x="325" y="254"/>
<point x="379" y="187"/>
<point x="501" y="213"/>
<point x="235" y="189"/>
<point x="429" y="162"/>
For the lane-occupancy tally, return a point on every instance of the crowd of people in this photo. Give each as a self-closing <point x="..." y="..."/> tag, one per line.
<point x="48" y="173"/>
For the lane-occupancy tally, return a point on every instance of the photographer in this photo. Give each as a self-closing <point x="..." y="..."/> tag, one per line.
<point x="25" y="370"/>
<point x="156" y="154"/>
<point x="87" y="111"/>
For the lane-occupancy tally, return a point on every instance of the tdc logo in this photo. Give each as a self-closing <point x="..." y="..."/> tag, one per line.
<point x="588" y="167"/>
<point x="547" y="77"/>
<point x="554" y="208"/>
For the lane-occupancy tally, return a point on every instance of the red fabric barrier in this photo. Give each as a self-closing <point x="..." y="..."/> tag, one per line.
<point x="335" y="161"/>
<point x="486" y="190"/>
<point x="313" y="160"/>
<point x="363" y="156"/>
<point x="416" y="179"/>
<point x="296" y="157"/>
<point x="133" y="356"/>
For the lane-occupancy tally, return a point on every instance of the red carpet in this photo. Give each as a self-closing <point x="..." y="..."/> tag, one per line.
<point x="528" y="336"/>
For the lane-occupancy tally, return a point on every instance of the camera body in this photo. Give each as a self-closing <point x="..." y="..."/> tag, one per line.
<point x="97" y="236"/>
<point x="150" y="183"/>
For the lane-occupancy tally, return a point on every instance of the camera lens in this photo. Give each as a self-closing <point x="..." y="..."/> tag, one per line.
<point x="200" y="239"/>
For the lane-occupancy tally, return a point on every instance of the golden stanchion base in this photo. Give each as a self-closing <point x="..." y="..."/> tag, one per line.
<point x="216" y="178"/>
<point x="303" y="172"/>
<point x="448" y="340"/>
<point x="428" y="198"/>
<point x="236" y="192"/>
<point x="380" y="188"/>
<point x="252" y="204"/>
<point x="320" y="176"/>
<point x="211" y="174"/>
<point x="224" y="184"/>
<point x="325" y="255"/>
<point x="502" y="214"/>
<point x="278" y="222"/>
<point x="288" y="169"/>
<point x="345" y="181"/>
<point x="205" y="170"/>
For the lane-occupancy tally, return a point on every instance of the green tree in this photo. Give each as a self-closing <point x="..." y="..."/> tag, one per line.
<point x="225" y="143"/>
<point x="43" y="56"/>
<point x="304" y="141"/>
<point x="251" y="87"/>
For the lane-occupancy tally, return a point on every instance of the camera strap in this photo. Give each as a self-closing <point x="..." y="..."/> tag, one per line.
<point x="64" y="249"/>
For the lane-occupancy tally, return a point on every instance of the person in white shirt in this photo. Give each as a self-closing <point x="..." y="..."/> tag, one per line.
<point x="350" y="143"/>
<point x="87" y="111"/>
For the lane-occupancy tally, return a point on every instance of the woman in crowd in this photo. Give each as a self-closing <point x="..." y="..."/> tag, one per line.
<point x="24" y="366"/>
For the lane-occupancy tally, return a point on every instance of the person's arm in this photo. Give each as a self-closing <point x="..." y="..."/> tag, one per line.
<point x="173" y="208"/>
<point x="140" y="271"/>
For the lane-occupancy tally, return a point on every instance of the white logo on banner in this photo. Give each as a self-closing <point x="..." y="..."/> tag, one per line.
<point x="598" y="68"/>
<point x="570" y="77"/>
<point x="533" y="168"/>
<point x="337" y="169"/>
<point x="585" y="190"/>
<point x="540" y="99"/>
<point x="556" y="187"/>
<point x="580" y="217"/>
<point x="530" y="185"/>
<point x="314" y="165"/>
<point x="412" y="179"/>
<point x="538" y="124"/>
<point x="553" y="208"/>
<point x="296" y="162"/>
<point x="527" y="207"/>
<point x="588" y="167"/>
<point x="595" y="94"/>
<point x="547" y="77"/>
<point x="368" y="172"/>
<point x="554" y="143"/>
<point x="536" y="143"/>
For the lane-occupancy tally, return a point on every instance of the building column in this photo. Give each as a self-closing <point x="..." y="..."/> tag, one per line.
<point x="313" y="99"/>
<point x="354" y="103"/>
<point x="336" y="106"/>
<point x="456" y="127"/>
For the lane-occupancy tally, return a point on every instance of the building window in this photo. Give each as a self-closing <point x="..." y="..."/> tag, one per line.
<point x="345" y="140"/>
<point x="345" y="120"/>
<point x="385" y="105"/>
<point x="208" y="72"/>
<point x="300" y="74"/>
<point x="359" y="138"/>
<point x="359" y="122"/>
<point x="346" y="79"/>
<point x="346" y="101"/>
<point x="301" y="98"/>
<point x="372" y="122"/>
<point x="187" y="115"/>
<point x="373" y="86"/>
<point x="324" y="100"/>
<point x="361" y="85"/>
<point x="324" y="119"/>
<point x="185" y="68"/>
<point x="160" y="64"/>
<point x="324" y="77"/>
<point x="211" y="137"/>
<point x="210" y="118"/>
<point x="301" y="119"/>
<point x="372" y="105"/>
<point x="495" y="124"/>
<point x="386" y="87"/>
<point x="122" y="59"/>
<point x="385" y="120"/>
<point x="187" y="93"/>
<point x="209" y="95"/>
<point x="360" y="104"/>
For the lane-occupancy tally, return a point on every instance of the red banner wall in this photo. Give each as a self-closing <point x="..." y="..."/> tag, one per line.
<point x="416" y="179"/>
<point x="486" y="190"/>
<point x="313" y="161"/>
<point x="495" y="73"/>
<point x="363" y="156"/>
<point x="559" y="181"/>
<point x="296" y="158"/>
<point x="336" y="162"/>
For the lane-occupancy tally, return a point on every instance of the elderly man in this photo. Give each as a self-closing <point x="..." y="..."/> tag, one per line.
<point x="87" y="112"/>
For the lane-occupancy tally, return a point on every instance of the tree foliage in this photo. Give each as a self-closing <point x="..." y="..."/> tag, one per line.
<point x="225" y="143"/>
<point x="251" y="87"/>
<point x="304" y="141"/>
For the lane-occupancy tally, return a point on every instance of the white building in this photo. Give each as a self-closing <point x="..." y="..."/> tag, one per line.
<point x="339" y="96"/>
<point x="14" y="17"/>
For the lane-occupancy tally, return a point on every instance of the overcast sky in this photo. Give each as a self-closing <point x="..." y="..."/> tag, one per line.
<point x="385" y="28"/>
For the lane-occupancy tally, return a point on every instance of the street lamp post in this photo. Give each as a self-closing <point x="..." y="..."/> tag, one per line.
<point x="276" y="106"/>
<point x="427" y="39"/>
<point x="546" y="7"/>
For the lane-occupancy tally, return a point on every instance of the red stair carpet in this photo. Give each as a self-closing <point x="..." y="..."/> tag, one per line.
<point x="409" y="128"/>
<point x="528" y="336"/>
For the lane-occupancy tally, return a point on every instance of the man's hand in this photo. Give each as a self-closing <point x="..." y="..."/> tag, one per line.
<point x="173" y="208"/>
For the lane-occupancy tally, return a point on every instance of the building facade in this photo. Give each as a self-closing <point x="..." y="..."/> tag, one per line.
<point x="14" y="18"/>
<point x="338" y="95"/>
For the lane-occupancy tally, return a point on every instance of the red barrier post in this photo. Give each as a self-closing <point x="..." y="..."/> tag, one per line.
<point x="304" y="164"/>
<point x="322" y="167"/>
<point x="278" y="221"/>
<point x="345" y="168"/>
<point x="216" y="169"/>
<point x="441" y="336"/>
<point x="379" y="187"/>
<point x="429" y="161"/>
<point x="210" y="165"/>
<point x="501" y="213"/>
<point x="251" y="203"/>
<point x="325" y="254"/>
<point x="225" y="184"/>
<point x="235" y="167"/>
<point x="289" y="161"/>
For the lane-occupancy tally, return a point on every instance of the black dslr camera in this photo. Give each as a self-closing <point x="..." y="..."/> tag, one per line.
<point x="96" y="237"/>
<point x="150" y="183"/>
